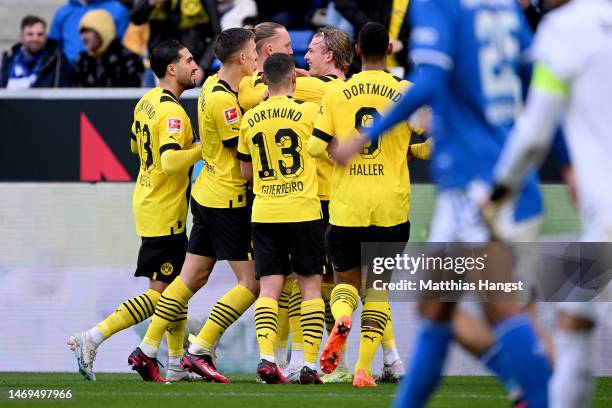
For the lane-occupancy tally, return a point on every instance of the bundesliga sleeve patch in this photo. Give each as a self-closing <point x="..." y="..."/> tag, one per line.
<point x="231" y="115"/>
<point x="174" y="125"/>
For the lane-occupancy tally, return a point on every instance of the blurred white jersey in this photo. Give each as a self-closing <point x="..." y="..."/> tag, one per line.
<point x="575" y="42"/>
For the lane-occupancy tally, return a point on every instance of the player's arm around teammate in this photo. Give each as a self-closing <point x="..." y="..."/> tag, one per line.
<point x="162" y="137"/>
<point x="221" y="224"/>
<point x="370" y="196"/>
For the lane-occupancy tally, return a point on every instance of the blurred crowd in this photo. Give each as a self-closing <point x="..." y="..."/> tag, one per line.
<point x="106" y="43"/>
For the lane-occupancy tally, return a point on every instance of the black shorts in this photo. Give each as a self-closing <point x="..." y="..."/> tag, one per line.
<point x="221" y="233"/>
<point x="161" y="258"/>
<point x="344" y="243"/>
<point x="281" y="248"/>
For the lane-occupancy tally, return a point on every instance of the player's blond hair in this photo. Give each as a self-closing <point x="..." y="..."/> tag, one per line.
<point x="264" y="32"/>
<point x="339" y="43"/>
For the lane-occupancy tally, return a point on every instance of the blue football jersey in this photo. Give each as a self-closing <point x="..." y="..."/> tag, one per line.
<point x="482" y="45"/>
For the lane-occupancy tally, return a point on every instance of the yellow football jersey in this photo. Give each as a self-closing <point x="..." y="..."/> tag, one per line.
<point x="159" y="202"/>
<point x="274" y="136"/>
<point x="309" y="89"/>
<point x="312" y="89"/>
<point x="374" y="189"/>
<point x="251" y="91"/>
<point x="220" y="184"/>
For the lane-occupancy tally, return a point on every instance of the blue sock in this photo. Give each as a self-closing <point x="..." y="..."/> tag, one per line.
<point x="426" y="365"/>
<point x="496" y="361"/>
<point x="526" y="359"/>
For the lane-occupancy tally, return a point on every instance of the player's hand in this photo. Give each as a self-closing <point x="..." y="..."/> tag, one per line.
<point x="567" y="174"/>
<point x="397" y="46"/>
<point x="343" y="152"/>
<point x="491" y="203"/>
<point x="301" y="72"/>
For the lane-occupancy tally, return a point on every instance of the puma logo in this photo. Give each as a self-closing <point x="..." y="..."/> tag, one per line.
<point x="263" y="335"/>
<point x="369" y="337"/>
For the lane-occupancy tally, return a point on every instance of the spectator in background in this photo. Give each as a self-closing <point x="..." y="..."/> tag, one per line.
<point x="391" y="14"/>
<point x="291" y="14"/>
<point x="65" y="25"/>
<point x="251" y="21"/>
<point x="195" y="23"/>
<point x="105" y="61"/>
<point x="335" y="19"/>
<point x="233" y="12"/>
<point x="36" y="61"/>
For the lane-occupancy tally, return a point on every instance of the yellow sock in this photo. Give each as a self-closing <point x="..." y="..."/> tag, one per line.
<point x="326" y="290"/>
<point x="312" y="320"/>
<point x="373" y="321"/>
<point x="130" y="312"/>
<point x="388" y="339"/>
<point x="283" y="315"/>
<point x="344" y="300"/>
<point x="266" y="324"/>
<point x="295" y="302"/>
<point x="228" y="309"/>
<point x="171" y="305"/>
<point x="175" y="335"/>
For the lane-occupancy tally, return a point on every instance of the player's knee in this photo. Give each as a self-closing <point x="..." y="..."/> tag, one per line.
<point x="252" y="285"/>
<point x="350" y="277"/>
<point x="195" y="275"/>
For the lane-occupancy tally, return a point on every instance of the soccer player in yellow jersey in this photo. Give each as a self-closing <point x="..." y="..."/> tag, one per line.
<point x="370" y="196"/>
<point x="270" y="38"/>
<point x="221" y="215"/>
<point x="329" y="56"/>
<point x="273" y="137"/>
<point x="163" y="139"/>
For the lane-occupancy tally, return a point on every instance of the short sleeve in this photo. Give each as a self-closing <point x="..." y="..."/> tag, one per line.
<point x="432" y="40"/>
<point x="174" y="130"/>
<point x="227" y="115"/>
<point x="311" y="113"/>
<point x="324" y="124"/>
<point x="243" y="153"/>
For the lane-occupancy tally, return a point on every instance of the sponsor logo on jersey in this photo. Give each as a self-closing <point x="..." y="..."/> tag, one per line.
<point x="174" y="125"/>
<point x="231" y="115"/>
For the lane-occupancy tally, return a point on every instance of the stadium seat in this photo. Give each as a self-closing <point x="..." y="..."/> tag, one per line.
<point x="299" y="42"/>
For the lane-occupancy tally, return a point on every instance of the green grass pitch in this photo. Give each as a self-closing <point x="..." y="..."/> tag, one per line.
<point x="127" y="390"/>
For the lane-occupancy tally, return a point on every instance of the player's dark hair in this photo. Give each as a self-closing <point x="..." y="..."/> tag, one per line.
<point x="230" y="41"/>
<point x="278" y="68"/>
<point x="30" y="20"/>
<point x="164" y="54"/>
<point x="373" y="40"/>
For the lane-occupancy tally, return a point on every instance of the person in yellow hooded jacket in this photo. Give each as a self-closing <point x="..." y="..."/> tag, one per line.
<point x="105" y="61"/>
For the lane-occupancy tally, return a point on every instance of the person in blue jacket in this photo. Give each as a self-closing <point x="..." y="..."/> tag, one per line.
<point x="65" y="25"/>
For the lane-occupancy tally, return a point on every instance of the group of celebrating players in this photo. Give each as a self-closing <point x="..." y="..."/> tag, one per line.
<point x="321" y="189"/>
<point x="265" y="130"/>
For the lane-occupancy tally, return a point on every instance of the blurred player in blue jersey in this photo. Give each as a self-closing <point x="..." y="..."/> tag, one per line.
<point x="469" y="58"/>
<point x="571" y="85"/>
